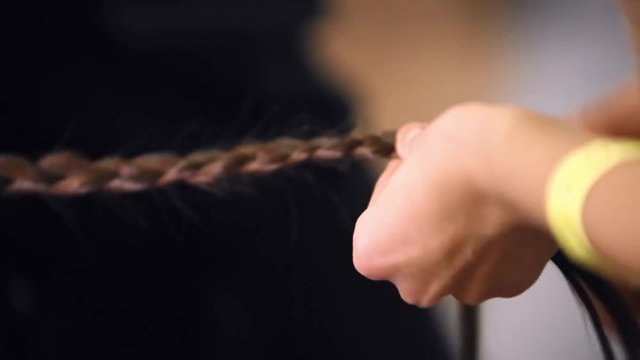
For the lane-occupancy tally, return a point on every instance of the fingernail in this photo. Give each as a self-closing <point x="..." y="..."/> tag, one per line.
<point x="411" y="136"/>
<point x="405" y="149"/>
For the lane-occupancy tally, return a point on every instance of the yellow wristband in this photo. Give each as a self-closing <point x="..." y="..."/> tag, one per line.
<point x="569" y="186"/>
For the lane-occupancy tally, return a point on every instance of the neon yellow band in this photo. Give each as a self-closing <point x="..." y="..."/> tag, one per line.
<point x="569" y="186"/>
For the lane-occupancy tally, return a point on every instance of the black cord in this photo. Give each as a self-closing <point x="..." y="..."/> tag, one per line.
<point x="469" y="332"/>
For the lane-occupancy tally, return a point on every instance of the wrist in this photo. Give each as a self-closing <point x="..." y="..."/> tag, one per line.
<point x="523" y="159"/>
<point x="506" y="174"/>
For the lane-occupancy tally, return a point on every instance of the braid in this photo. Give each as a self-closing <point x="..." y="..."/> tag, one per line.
<point x="69" y="173"/>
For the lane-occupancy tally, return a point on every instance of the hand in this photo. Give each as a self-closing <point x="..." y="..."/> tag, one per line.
<point x="438" y="225"/>
<point x="617" y="114"/>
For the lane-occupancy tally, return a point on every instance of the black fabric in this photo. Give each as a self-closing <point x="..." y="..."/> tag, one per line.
<point x="134" y="75"/>
<point x="256" y="268"/>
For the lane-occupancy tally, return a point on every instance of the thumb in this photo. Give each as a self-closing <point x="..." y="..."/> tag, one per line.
<point x="405" y="137"/>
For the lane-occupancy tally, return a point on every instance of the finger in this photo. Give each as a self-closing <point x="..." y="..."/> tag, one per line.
<point x="405" y="137"/>
<point x="383" y="180"/>
<point x="423" y="290"/>
<point x="632" y="14"/>
<point x="617" y="114"/>
<point x="473" y="284"/>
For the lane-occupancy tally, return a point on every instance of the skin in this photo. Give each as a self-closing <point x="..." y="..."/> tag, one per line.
<point x="461" y="212"/>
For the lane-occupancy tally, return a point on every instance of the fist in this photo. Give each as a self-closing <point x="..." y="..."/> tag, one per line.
<point x="437" y="225"/>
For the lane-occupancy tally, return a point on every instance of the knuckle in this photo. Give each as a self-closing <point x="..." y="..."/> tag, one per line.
<point x="468" y="107"/>
<point x="419" y="297"/>
<point x="506" y="111"/>
<point x="472" y="299"/>
<point x="459" y="121"/>
<point x="428" y="301"/>
<point x="476" y="300"/>
<point x="406" y="136"/>
<point x="479" y="109"/>
<point x="513" y="290"/>
<point x="410" y="297"/>
<point x="410" y="126"/>
<point x="510" y="293"/>
<point x="367" y="266"/>
<point x="365" y="257"/>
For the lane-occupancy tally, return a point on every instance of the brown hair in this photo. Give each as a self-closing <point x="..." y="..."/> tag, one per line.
<point x="70" y="173"/>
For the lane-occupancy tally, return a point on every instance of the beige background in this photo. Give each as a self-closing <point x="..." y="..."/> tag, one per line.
<point x="407" y="60"/>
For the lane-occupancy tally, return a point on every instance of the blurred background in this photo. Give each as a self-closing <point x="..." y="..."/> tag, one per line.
<point x="128" y="76"/>
<point x="408" y="60"/>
